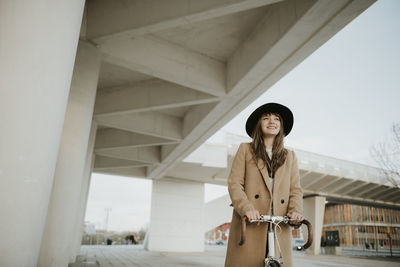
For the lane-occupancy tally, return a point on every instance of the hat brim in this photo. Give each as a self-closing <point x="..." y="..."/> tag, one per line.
<point x="283" y="111"/>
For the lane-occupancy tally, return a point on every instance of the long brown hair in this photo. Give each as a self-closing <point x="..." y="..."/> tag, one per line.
<point x="258" y="147"/>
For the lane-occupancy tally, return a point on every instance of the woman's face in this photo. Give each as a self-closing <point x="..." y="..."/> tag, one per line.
<point x="270" y="124"/>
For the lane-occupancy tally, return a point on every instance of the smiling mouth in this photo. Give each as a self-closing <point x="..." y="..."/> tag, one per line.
<point x="272" y="127"/>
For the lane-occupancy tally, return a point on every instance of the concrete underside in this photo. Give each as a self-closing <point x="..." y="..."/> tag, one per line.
<point x="174" y="72"/>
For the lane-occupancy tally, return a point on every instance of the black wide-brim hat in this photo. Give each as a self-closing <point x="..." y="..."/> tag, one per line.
<point x="283" y="111"/>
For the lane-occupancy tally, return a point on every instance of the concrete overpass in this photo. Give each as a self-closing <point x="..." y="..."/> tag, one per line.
<point x="152" y="80"/>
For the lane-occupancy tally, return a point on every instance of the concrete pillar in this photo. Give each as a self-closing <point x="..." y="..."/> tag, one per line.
<point x="177" y="212"/>
<point x="87" y="172"/>
<point x="58" y="236"/>
<point x="37" y="51"/>
<point x="314" y="210"/>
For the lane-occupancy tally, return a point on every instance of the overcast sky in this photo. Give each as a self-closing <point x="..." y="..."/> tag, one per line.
<point x="344" y="98"/>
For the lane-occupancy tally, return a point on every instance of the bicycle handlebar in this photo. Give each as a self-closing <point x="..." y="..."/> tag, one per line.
<point x="274" y="219"/>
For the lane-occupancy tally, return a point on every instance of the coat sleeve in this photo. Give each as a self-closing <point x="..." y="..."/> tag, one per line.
<point x="296" y="192"/>
<point x="236" y="183"/>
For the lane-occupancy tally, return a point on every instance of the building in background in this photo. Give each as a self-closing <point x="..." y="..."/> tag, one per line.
<point x="218" y="235"/>
<point x="356" y="229"/>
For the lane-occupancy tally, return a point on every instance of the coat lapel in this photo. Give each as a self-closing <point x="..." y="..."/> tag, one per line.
<point x="264" y="173"/>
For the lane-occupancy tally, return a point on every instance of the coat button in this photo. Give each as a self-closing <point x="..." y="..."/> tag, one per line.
<point x="256" y="196"/>
<point x="282" y="201"/>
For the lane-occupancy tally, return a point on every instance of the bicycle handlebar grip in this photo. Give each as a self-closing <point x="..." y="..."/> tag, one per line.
<point x="310" y="234"/>
<point x="243" y="231"/>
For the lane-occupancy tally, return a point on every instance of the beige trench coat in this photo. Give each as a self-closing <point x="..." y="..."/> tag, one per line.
<point x="250" y="188"/>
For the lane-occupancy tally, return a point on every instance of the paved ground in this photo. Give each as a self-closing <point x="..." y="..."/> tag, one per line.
<point x="125" y="256"/>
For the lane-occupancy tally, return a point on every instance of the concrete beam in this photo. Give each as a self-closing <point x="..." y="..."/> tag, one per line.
<point x="317" y="185"/>
<point x="139" y="172"/>
<point x="170" y="62"/>
<point x="107" y="163"/>
<point x="353" y="200"/>
<point x="368" y="188"/>
<point x="166" y="150"/>
<point x="150" y="154"/>
<point x="209" y="180"/>
<point x="339" y="185"/>
<point x="192" y="122"/>
<point x="116" y="20"/>
<point x="261" y="54"/>
<point x="110" y="138"/>
<point x="379" y="191"/>
<point x="147" y="96"/>
<point x="395" y="198"/>
<point x="304" y="173"/>
<point x="330" y="183"/>
<point x="394" y="194"/>
<point x="311" y="178"/>
<point x="194" y="117"/>
<point x="150" y="123"/>
<point x="385" y="194"/>
<point x="350" y="188"/>
<point x="318" y="23"/>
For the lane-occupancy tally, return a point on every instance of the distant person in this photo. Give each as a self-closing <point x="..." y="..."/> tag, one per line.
<point x="133" y="239"/>
<point x="109" y="241"/>
<point x="264" y="161"/>
<point x="323" y="242"/>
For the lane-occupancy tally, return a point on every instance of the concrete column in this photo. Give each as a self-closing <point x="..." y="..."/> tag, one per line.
<point x="58" y="238"/>
<point x="314" y="210"/>
<point x="87" y="172"/>
<point x="177" y="212"/>
<point x="37" y="51"/>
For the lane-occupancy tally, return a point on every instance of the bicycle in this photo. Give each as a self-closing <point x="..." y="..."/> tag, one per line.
<point x="271" y="260"/>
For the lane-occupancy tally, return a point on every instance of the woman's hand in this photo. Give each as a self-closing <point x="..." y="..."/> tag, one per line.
<point x="295" y="216"/>
<point x="253" y="215"/>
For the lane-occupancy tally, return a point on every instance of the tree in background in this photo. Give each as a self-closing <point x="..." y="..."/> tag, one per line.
<point x="141" y="234"/>
<point x="387" y="155"/>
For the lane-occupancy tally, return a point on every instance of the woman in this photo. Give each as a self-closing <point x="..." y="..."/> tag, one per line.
<point x="259" y="168"/>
